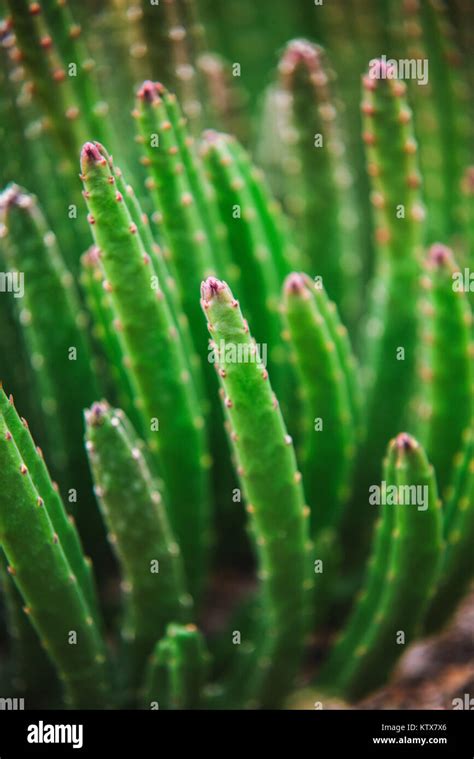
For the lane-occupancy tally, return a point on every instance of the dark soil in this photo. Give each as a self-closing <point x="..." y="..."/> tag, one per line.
<point x="430" y="675"/>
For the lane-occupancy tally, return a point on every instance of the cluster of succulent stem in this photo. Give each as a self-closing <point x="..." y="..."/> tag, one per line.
<point x="224" y="346"/>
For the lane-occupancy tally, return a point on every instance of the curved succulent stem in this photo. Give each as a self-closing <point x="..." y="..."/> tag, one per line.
<point x="159" y="255"/>
<point x="457" y="568"/>
<point x="177" y="670"/>
<point x="391" y="330"/>
<point x="441" y="109"/>
<point x="53" y="598"/>
<point x="183" y="196"/>
<point x="175" y="38"/>
<point x="117" y="379"/>
<point x="392" y="604"/>
<point x="447" y="376"/>
<point x="33" y="673"/>
<point x="252" y="255"/>
<point x="150" y="560"/>
<point x="61" y="69"/>
<point x="53" y="326"/>
<point x="331" y="430"/>
<point x="272" y="488"/>
<point x="262" y="254"/>
<point x="63" y="524"/>
<point x="317" y="179"/>
<point x="156" y="361"/>
<point x="195" y="237"/>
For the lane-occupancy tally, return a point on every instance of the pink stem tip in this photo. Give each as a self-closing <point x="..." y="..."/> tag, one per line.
<point x="211" y="288"/>
<point x="405" y="442"/>
<point x="439" y="254"/>
<point x="91" y="152"/>
<point x="149" y="92"/>
<point x="95" y="415"/>
<point x="295" y="284"/>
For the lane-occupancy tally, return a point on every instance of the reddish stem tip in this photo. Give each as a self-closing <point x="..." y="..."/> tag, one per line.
<point x="10" y="196"/>
<point x="212" y="288"/>
<point x="379" y="68"/>
<point x="405" y="442"/>
<point x="295" y="284"/>
<point x="150" y="91"/>
<point x="439" y="254"/>
<point x="90" y="152"/>
<point x="210" y="135"/>
<point x="96" y="414"/>
<point x="302" y="53"/>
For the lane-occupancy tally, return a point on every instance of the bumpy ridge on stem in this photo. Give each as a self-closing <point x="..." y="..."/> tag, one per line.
<point x="163" y="267"/>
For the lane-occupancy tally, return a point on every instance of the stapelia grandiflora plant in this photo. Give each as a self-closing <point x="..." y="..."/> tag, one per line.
<point x="245" y="350"/>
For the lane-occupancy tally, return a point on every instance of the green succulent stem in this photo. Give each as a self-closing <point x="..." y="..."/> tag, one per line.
<point x="117" y="379"/>
<point x="53" y="599"/>
<point x="331" y="428"/>
<point x="152" y="568"/>
<point x="181" y="194"/>
<point x="54" y="329"/>
<point x="391" y="606"/>
<point x="317" y="178"/>
<point x="446" y="371"/>
<point x="177" y="670"/>
<point x="391" y="330"/>
<point x="63" y="524"/>
<point x="441" y="108"/>
<point x="69" y="38"/>
<point x="156" y="360"/>
<point x="52" y="85"/>
<point x="457" y="567"/>
<point x="33" y="673"/>
<point x="268" y="473"/>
